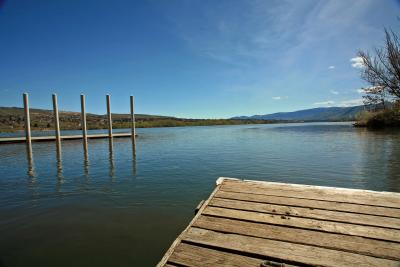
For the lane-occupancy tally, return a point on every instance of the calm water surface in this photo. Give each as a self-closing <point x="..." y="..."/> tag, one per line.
<point x="114" y="208"/>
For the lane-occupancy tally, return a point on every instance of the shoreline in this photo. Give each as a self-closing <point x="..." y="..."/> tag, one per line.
<point x="174" y="126"/>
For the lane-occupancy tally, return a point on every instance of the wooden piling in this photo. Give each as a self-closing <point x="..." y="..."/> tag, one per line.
<point x="110" y="135"/>
<point x="27" y="120"/>
<point x="133" y="129"/>
<point x="56" y="121"/>
<point x="83" y="120"/>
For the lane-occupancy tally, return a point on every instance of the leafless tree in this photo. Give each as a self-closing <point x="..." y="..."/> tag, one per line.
<point x="375" y="97"/>
<point x="382" y="71"/>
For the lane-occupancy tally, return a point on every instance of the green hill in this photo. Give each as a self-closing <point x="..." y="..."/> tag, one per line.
<point x="13" y="119"/>
<point x="315" y="114"/>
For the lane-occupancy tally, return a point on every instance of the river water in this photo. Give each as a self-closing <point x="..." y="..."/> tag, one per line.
<point x="119" y="206"/>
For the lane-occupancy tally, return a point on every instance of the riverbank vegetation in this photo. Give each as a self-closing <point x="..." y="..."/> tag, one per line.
<point x="13" y="119"/>
<point x="382" y="72"/>
<point x="389" y="117"/>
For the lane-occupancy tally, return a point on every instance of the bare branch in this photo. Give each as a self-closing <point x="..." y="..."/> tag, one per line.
<point x="382" y="70"/>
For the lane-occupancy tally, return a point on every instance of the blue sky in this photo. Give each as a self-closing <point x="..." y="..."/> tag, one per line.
<point x="199" y="59"/>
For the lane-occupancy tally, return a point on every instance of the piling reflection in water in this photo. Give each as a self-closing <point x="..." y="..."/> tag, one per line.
<point x="60" y="177"/>
<point x="60" y="155"/>
<point x="86" y="162"/>
<point x="31" y="164"/>
<point x="111" y="158"/>
<point x="134" y="172"/>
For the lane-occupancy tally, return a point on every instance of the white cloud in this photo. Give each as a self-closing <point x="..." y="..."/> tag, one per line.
<point x="279" y="97"/>
<point x="343" y="103"/>
<point x="334" y="92"/>
<point x="351" y="102"/>
<point x="324" y="103"/>
<point x="331" y="67"/>
<point x="357" y="62"/>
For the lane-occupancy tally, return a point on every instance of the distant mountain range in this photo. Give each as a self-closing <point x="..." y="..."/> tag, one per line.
<point x="13" y="119"/>
<point x="314" y="114"/>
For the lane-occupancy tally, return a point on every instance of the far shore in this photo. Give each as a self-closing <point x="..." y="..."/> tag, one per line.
<point x="236" y="122"/>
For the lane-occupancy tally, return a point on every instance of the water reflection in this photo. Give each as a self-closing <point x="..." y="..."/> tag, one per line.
<point x="111" y="158"/>
<point x="60" y="177"/>
<point x="134" y="167"/>
<point x="86" y="162"/>
<point x="178" y="167"/>
<point x="379" y="154"/>
<point x="31" y="164"/>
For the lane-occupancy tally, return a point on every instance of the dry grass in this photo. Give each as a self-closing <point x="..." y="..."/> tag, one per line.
<point x="381" y="118"/>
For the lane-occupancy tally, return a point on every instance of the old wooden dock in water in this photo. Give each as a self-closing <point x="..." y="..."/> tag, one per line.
<point x="254" y="223"/>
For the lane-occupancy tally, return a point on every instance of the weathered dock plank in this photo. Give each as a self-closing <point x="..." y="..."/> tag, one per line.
<point x="8" y="140"/>
<point x="343" y="195"/>
<point x="282" y="250"/>
<point x="307" y="213"/>
<point x="244" y="223"/>
<point x="383" y="249"/>
<point x="311" y="203"/>
<point x="189" y="255"/>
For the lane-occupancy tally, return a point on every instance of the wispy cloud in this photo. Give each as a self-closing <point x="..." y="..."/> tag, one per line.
<point x="324" y="103"/>
<point x="343" y="103"/>
<point x="279" y="97"/>
<point x="357" y="62"/>
<point x="351" y="102"/>
<point x="289" y="28"/>
<point x="334" y="92"/>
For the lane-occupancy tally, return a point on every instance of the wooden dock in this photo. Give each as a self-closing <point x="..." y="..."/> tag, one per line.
<point x="8" y="140"/>
<point x="253" y="223"/>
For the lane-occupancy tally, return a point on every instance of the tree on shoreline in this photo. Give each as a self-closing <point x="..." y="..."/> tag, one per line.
<point x="382" y="72"/>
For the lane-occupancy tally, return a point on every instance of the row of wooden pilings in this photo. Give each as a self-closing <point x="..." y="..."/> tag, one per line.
<point x="58" y="136"/>
<point x="83" y="118"/>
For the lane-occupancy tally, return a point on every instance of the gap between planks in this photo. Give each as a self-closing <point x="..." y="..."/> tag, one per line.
<point x="355" y="244"/>
<point x="343" y="195"/>
<point x="325" y="215"/>
<point x="308" y="203"/>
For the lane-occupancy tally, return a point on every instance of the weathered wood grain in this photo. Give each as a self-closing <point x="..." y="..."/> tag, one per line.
<point x="243" y="222"/>
<point x="305" y="223"/>
<point x="308" y="203"/>
<point x="355" y="244"/>
<point x="308" y="213"/>
<point x="285" y="251"/>
<point x="362" y="197"/>
<point x="190" y="255"/>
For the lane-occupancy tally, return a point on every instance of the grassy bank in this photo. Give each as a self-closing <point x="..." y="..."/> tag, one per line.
<point x="380" y="119"/>
<point x="13" y="119"/>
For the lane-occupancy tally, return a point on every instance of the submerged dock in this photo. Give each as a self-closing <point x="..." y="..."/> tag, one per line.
<point x="254" y="223"/>
<point x="8" y="140"/>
